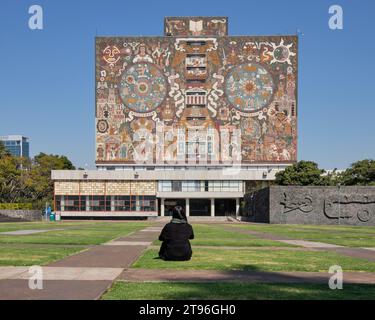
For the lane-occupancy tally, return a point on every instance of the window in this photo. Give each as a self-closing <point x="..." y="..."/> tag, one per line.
<point x="176" y="186"/>
<point x="71" y="203"/>
<point x="224" y="185"/>
<point x="147" y="203"/>
<point x="99" y="203"/>
<point x="105" y="203"/>
<point x="58" y="203"/>
<point x="191" y="186"/>
<point x="165" y="185"/>
<point x="121" y="203"/>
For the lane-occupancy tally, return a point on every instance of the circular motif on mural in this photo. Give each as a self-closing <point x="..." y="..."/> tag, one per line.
<point x="251" y="128"/>
<point x="281" y="53"/>
<point x="249" y="87"/>
<point x="143" y="87"/>
<point x="102" y="126"/>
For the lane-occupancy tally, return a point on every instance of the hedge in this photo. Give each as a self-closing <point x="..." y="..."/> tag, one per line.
<point x="16" y="206"/>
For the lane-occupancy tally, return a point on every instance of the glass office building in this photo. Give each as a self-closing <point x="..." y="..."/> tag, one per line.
<point x="17" y="145"/>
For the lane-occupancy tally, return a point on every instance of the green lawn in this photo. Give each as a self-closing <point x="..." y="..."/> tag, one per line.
<point x="216" y="235"/>
<point x="46" y="247"/>
<point x="79" y="233"/>
<point x="28" y="254"/>
<point x="257" y="260"/>
<point x="244" y="291"/>
<point x="352" y="236"/>
<point x="13" y="226"/>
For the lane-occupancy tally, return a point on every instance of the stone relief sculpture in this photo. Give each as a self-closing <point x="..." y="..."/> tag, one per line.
<point x="361" y="207"/>
<point x="352" y="206"/>
<point x="292" y="202"/>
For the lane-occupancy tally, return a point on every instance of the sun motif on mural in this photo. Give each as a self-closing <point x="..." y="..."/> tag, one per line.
<point x="282" y="53"/>
<point x="143" y="87"/>
<point x="249" y="87"/>
<point x="111" y="54"/>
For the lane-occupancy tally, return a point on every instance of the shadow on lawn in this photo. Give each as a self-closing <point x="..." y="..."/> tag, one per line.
<point x="244" y="284"/>
<point x="262" y="291"/>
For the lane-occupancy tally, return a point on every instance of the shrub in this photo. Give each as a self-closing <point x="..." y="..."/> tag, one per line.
<point x="16" y="206"/>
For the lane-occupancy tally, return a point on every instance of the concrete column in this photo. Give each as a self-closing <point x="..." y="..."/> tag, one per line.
<point x="237" y="207"/>
<point x="137" y="204"/>
<point x="162" y="207"/>
<point x="212" y="207"/>
<point x="187" y="207"/>
<point x="112" y="203"/>
<point x="62" y="204"/>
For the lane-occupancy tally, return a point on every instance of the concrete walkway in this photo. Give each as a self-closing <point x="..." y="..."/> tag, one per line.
<point x="83" y="276"/>
<point x="150" y="275"/>
<point x="27" y="232"/>
<point x="359" y="253"/>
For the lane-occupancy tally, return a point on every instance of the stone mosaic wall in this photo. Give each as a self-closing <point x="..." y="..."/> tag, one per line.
<point x="201" y="81"/>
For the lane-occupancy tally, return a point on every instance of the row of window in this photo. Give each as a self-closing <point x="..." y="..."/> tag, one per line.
<point x="105" y="203"/>
<point x="199" y="186"/>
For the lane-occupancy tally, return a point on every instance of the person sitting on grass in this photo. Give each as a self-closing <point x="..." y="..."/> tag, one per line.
<point x="175" y="236"/>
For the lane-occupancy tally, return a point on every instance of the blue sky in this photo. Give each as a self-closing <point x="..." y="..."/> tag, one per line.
<point x="47" y="76"/>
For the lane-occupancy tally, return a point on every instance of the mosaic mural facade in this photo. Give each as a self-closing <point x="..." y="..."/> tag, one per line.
<point x="196" y="79"/>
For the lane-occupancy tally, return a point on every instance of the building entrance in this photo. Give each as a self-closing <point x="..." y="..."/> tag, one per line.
<point x="169" y="204"/>
<point x="200" y="207"/>
<point x="225" y="207"/>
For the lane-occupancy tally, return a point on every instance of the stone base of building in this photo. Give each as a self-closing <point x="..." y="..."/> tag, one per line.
<point x="349" y="205"/>
<point x="20" y="215"/>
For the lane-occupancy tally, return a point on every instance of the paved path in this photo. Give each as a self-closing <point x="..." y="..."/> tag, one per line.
<point x="360" y="253"/>
<point x="27" y="232"/>
<point x="136" y="275"/>
<point x="85" y="275"/>
<point x="65" y="273"/>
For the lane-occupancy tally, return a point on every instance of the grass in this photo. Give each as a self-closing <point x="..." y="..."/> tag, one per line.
<point x="352" y="236"/>
<point x="90" y="233"/>
<point x="53" y="245"/>
<point x="257" y="260"/>
<point x="213" y="235"/>
<point x="240" y="291"/>
<point x="28" y="255"/>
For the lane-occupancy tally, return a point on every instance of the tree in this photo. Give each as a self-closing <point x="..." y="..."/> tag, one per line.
<point x="360" y="173"/>
<point x="3" y="151"/>
<point x="22" y="180"/>
<point x="40" y="174"/>
<point x="303" y="173"/>
<point x="11" y="178"/>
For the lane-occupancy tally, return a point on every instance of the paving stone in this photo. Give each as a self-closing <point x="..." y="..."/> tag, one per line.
<point x="11" y="272"/>
<point x="53" y="290"/>
<point x="310" y="244"/>
<point x="128" y="243"/>
<point x="26" y="232"/>
<point x="102" y="257"/>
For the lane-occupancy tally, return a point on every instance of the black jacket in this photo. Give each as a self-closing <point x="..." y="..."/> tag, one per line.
<point x="176" y="244"/>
